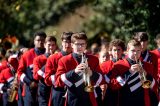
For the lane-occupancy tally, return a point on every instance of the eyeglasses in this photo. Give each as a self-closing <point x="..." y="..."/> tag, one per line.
<point x="80" y="44"/>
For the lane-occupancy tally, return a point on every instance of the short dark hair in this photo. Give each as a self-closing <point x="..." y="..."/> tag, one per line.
<point x="78" y="35"/>
<point x="40" y="33"/>
<point x="66" y="36"/>
<point x="133" y="42"/>
<point x="51" y="38"/>
<point x="117" y="42"/>
<point x="140" y="36"/>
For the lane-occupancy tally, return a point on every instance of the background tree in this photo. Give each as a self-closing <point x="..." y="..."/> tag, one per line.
<point x="108" y="18"/>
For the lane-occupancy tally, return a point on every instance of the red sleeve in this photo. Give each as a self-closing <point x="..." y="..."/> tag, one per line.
<point x="3" y="65"/>
<point x="106" y="66"/>
<point x="36" y="68"/>
<point x="2" y="77"/>
<point x="22" y="66"/>
<point x="61" y="70"/>
<point x="6" y="75"/>
<point x="118" y="69"/>
<point x="49" y="70"/>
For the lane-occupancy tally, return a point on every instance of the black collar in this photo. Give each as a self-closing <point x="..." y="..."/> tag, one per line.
<point x="39" y="52"/>
<point x="77" y="57"/>
<point x="115" y="60"/>
<point x="47" y="54"/>
<point x="64" y="53"/>
<point x="131" y="62"/>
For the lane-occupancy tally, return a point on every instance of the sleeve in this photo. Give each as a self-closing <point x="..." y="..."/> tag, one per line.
<point x="50" y="72"/>
<point x="38" y="71"/>
<point x="97" y="78"/>
<point x="60" y="77"/>
<point x="21" y="71"/>
<point x="151" y="77"/>
<point x="6" y="79"/>
<point x="1" y="81"/>
<point x="114" y="78"/>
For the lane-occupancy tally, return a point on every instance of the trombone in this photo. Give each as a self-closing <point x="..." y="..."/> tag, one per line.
<point x="145" y="83"/>
<point x="86" y="76"/>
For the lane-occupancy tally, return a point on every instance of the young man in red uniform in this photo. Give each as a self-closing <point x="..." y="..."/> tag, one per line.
<point x="156" y="52"/>
<point x="116" y="48"/>
<point x="146" y="55"/>
<point x="128" y="73"/>
<point x="51" y="68"/>
<point x="72" y="72"/>
<point x="7" y="79"/>
<point x="25" y="70"/>
<point x="39" y="63"/>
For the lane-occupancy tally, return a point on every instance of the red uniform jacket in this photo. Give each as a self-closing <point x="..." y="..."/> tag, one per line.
<point x="3" y="65"/>
<point x="51" y="68"/>
<point x="106" y="66"/>
<point x="120" y="71"/>
<point x="66" y="76"/>
<point x="38" y="69"/>
<point x="156" y="62"/>
<point x="25" y="67"/>
<point x="25" y="61"/>
<point x="6" y="76"/>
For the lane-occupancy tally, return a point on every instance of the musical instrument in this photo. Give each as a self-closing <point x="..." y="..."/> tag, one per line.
<point x="142" y="73"/>
<point x="12" y="92"/>
<point x="86" y="76"/>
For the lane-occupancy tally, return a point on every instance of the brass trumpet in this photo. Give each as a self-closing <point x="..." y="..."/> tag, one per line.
<point x="86" y="76"/>
<point x="145" y="83"/>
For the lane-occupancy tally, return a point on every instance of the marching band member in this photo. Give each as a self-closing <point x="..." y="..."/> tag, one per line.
<point x="157" y="60"/>
<point x="76" y="74"/>
<point x="39" y="63"/>
<point x="7" y="77"/>
<point x="146" y="55"/>
<point x="116" y="47"/>
<point x="25" y="71"/>
<point x="134" y="78"/>
<point x="51" y="68"/>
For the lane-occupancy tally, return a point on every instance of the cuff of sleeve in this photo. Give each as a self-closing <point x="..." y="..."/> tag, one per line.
<point x="41" y="73"/>
<point x="153" y="83"/>
<point x="53" y="79"/>
<point x="65" y="80"/>
<point x="99" y="80"/>
<point x="22" y="77"/>
<point x="120" y="81"/>
<point x="1" y="86"/>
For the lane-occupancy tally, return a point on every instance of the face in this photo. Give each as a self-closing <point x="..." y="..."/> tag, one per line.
<point x="117" y="52"/>
<point x="103" y="56"/>
<point x="50" y="47"/>
<point x="39" y="42"/>
<point x="79" y="46"/>
<point x="66" y="46"/>
<point x="134" y="52"/>
<point x="144" y="45"/>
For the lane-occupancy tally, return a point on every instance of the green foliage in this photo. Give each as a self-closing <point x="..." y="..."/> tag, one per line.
<point x="112" y="18"/>
<point x="23" y="17"/>
<point x="121" y="18"/>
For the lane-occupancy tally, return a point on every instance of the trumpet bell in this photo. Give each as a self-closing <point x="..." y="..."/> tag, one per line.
<point x="89" y="88"/>
<point x="146" y="84"/>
